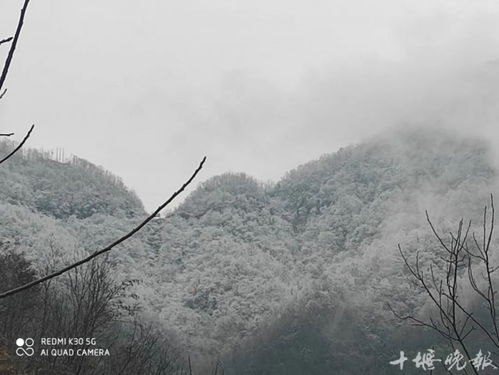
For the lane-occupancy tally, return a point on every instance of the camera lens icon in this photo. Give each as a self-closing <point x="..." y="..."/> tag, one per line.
<point x="25" y="347"/>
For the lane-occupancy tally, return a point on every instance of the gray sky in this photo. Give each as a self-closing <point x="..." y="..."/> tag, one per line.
<point x="146" y="88"/>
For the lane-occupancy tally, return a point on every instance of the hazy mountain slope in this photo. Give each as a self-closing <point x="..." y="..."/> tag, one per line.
<point x="348" y="229"/>
<point x="59" y="212"/>
<point x="76" y="188"/>
<point x="258" y="267"/>
<point x="236" y="253"/>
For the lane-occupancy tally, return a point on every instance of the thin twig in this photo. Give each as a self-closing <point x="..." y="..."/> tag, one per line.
<point x="6" y="40"/>
<point x="436" y="233"/>
<point x="19" y="145"/>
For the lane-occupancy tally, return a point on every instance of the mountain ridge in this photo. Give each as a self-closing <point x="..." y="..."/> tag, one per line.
<point x="238" y="258"/>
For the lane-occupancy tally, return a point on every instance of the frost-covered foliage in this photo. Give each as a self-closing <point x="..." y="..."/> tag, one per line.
<point x="76" y="188"/>
<point x="269" y="278"/>
<point x="237" y="255"/>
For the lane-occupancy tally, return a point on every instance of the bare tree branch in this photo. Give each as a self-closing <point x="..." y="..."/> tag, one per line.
<point x="13" y="45"/>
<point x="419" y="323"/>
<point x="456" y="322"/>
<point x="6" y="40"/>
<point x="436" y="233"/>
<point x="19" y="145"/>
<point x="109" y="247"/>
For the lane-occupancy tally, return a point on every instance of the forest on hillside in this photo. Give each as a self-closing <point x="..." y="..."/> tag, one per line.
<point x="293" y="277"/>
<point x="378" y="258"/>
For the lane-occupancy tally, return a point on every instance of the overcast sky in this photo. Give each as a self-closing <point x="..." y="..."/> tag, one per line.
<point x="146" y="88"/>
